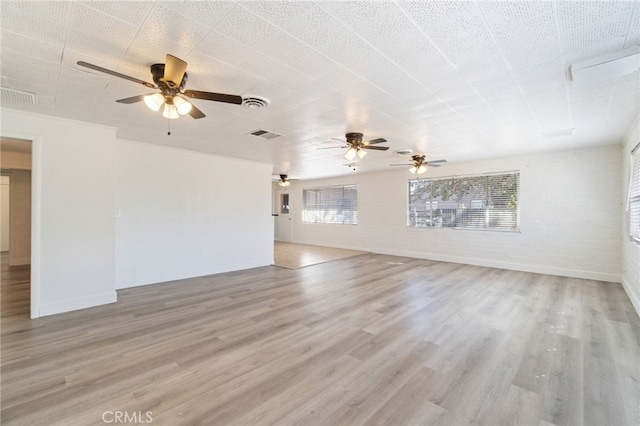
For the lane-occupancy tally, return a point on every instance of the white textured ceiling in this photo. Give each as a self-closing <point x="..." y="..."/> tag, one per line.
<point x="460" y="80"/>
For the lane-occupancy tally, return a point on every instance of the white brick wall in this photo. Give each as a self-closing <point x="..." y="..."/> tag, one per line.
<point x="570" y="216"/>
<point x="630" y="250"/>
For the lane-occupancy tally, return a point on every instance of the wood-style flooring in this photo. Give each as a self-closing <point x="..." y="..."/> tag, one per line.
<point x="371" y="339"/>
<point x="15" y="302"/>
<point x="294" y="256"/>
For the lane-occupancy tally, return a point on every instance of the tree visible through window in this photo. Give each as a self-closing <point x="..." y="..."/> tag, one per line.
<point x="330" y="204"/>
<point x="466" y="202"/>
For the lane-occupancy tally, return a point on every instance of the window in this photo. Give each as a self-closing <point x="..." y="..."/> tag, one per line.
<point x="465" y="202"/>
<point x="331" y="204"/>
<point x="633" y="204"/>
<point x="284" y="203"/>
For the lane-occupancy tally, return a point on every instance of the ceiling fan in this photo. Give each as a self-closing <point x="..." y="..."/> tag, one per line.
<point x="419" y="164"/>
<point x="284" y="180"/>
<point x="170" y="78"/>
<point x="357" y="146"/>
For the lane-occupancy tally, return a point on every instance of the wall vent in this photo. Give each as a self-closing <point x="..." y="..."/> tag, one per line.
<point x="265" y="134"/>
<point x="17" y="95"/>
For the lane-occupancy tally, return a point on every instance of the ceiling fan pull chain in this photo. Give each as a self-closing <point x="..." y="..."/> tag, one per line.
<point x="169" y="127"/>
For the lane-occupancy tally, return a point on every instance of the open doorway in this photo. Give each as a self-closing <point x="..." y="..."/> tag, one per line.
<point x="15" y="225"/>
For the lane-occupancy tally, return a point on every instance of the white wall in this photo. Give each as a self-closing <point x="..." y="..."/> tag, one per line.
<point x="186" y="214"/>
<point x="630" y="250"/>
<point x="73" y="226"/>
<point x="183" y="214"/>
<point x="570" y="209"/>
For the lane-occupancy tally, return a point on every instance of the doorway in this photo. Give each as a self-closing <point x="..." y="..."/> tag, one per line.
<point x="15" y="226"/>
<point x="284" y="222"/>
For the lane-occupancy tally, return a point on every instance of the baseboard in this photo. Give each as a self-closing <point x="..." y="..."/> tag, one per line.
<point x="537" y="269"/>
<point x="75" y="304"/>
<point x="633" y="296"/>
<point x="130" y="283"/>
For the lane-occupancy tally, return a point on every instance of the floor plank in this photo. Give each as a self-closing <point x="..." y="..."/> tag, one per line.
<point x="294" y="256"/>
<point x="367" y="339"/>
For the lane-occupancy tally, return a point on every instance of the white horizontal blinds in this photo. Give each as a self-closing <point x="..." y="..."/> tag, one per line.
<point x="634" y="196"/>
<point x="502" y="201"/>
<point x="466" y="202"/>
<point x="331" y="204"/>
<point x="350" y="205"/>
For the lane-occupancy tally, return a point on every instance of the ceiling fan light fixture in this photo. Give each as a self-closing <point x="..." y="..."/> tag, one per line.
<point x="361" y="153"/>
<point x="154" y="102"/>
<point x="418" y="169"/>
<point x="181" y="105"/>
<point x="170" y="111"/>
<point x="284" y="180"/>
<point x="351" y="154"/>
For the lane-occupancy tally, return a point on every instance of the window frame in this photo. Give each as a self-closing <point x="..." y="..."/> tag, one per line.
<point x="472" y="199"/>
<point x="633" y="196"/>
<point x="322" y="213"/>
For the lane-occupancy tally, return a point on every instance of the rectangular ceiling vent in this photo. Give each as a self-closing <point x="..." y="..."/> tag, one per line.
<point x="17" y="95"/>
<point x="265" y="134"/>
<point x="558" y="133"/>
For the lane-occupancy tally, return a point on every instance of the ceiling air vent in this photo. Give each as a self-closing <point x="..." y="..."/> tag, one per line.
<point x="557" y="133"/>
<point x="17" y="95"/>
<point x="265" y="134"/>
<point x="254" y="102"/>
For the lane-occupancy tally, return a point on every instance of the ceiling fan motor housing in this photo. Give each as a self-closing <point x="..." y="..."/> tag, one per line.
<point x="157" y="71"/>
<point x="354" y="137"/>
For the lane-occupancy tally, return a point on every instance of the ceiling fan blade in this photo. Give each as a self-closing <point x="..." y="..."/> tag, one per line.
<point x="217" y="97"/>
<point x="375" y="141"/>
<point x="115" y="74"/>
<point x="334" y="147"/>
<point x="436" y="161"/>
<point x="195" y="112"/>
<point x="174" y="69"/>
<point x="133" y="99"/>
<point x="332" y="140"/>
<point x="377" y="148"/>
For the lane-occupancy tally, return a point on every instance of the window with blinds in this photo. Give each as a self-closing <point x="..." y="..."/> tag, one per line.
<point x="466" y="202"/>
<point x="330" y="204"/>
<point x="633" y="203"/>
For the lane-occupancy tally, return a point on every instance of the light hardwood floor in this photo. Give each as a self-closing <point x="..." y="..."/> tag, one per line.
<point x="370" y="339"/>
<point x="294" y="256"/>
